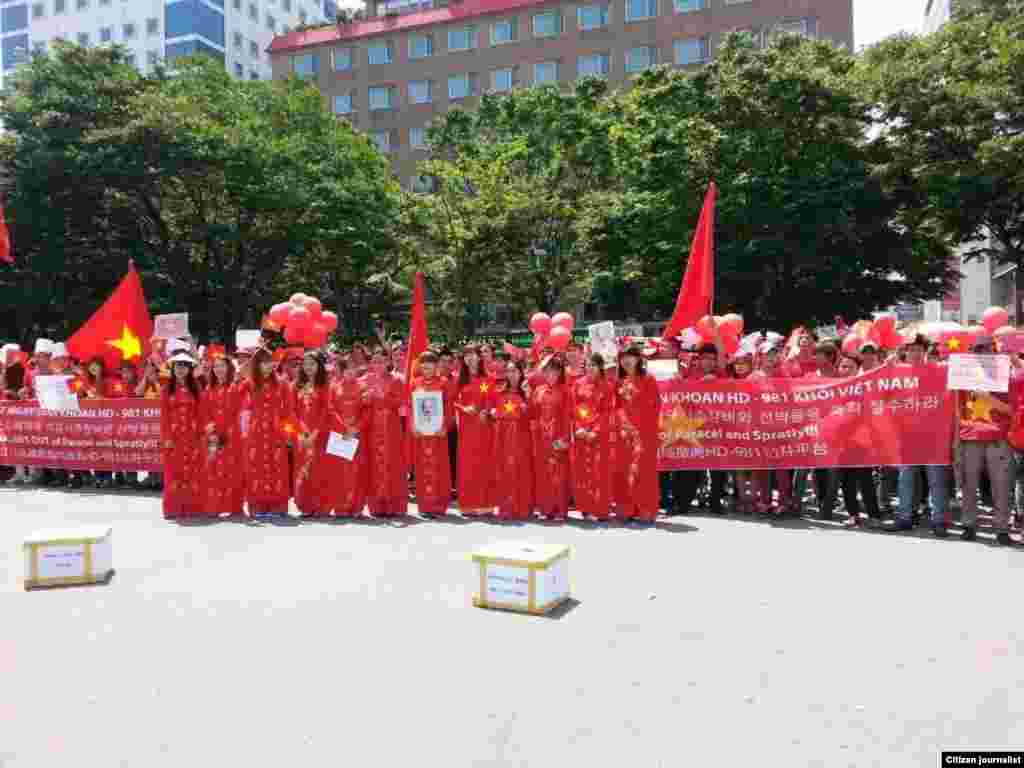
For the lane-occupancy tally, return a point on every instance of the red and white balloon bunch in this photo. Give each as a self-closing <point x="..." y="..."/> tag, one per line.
<point x="881" y="332"/>
<point x="304" y="321"/>
<point x="730" y="328"/>
<point x="554" y="332"/>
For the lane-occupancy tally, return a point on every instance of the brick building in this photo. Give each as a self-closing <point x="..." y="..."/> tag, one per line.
<point x="408" y="60"/>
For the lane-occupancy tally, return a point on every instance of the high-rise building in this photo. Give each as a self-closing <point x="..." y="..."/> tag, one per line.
<point x="405" y="61"/>
<point x="237" y="32"/>
<point x="936" y="13"/>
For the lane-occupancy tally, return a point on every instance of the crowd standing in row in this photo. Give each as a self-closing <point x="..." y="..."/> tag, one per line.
<point x="521" y="437"/>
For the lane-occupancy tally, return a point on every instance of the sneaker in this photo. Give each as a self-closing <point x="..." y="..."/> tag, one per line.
<point x="1003" y="539"/>
<point x="899" y="526"/>
<point x="939" y="531"/>
<point x="969" y="534"/>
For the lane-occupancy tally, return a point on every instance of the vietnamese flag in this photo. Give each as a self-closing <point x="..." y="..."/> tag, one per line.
<point x="697" y="293"/>
<point x="5" y="239"/>
<point x="119" y="330"/>
<point x="418" y="340"/>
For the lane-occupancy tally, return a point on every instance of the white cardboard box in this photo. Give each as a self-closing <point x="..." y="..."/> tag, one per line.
<point x="69" y="556"/>
<point x="515" y="576"/>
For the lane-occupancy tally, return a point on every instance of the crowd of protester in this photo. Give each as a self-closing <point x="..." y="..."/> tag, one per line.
<point x="524" y="435"/>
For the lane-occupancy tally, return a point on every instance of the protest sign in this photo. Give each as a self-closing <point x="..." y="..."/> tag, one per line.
<point x="247" y="339"/>
<point x="979" y="373"/>
<point x="602" y="342"/>
<point x="171" y="326"/>
<point x="54" y="394"/>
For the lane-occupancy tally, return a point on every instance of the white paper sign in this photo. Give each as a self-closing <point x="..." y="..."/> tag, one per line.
<point x="602" y="342"/>
<point x="341" y="446"/>
<point x="247" y="339"/>
<point x="427" y="412"/>
<point x="170" y="326"/>
<point x="662" y="370"/>
<point x="508" y="585"/>
<point x="62" y="561"/>
<point x="244" y="417"/>
<point x="53" y="394"/>
<point x="979" y="373"/>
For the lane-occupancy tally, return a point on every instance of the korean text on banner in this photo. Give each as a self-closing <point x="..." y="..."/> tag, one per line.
<point x="171" y="326"/>
<point x="979" y="373"/>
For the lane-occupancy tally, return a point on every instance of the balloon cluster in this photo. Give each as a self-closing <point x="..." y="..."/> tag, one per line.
<point x="304" y="321"/>
<point x="554" y="332"/>
<point x="950" y="336"/>
<point x="730" y="329"/>
<point x="881" y="332"/>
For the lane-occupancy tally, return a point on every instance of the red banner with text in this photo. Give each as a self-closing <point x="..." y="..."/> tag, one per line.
<point x="105" y="435"/>
<point x="896" y="415"/>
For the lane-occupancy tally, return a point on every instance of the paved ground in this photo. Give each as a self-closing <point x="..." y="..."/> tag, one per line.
<point x="727" y="641"/>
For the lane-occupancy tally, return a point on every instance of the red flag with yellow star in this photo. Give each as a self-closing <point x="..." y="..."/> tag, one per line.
<point x="119" y="330"/>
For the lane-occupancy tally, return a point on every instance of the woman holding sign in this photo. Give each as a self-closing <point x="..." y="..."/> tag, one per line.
<point x="345" y="476"/>
<point x="223" y="487"/>
<point x="310" y="401"/>
<point x="179" y="431"/>
<point x="637" y="456"/>
<point x="384" y="451"/>
<point x="429" y="417"/>
<point x="264" y="425"/>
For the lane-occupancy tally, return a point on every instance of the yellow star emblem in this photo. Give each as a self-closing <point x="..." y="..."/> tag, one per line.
<point x="485" y="387"/>
<point x="129" y="344"/>
<point x="584" y="412"/>
<point x="679" y="426"/>
<point x="953" y="344"/>
<point x="510" y="407"/>
<point x="980" y="408"/>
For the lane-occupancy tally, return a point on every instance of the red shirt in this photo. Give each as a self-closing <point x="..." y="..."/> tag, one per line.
<point x="979" y="422"/>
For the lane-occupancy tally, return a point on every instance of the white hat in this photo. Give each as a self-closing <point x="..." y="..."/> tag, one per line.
<point x="177" y="345"/>
<point x="182" y="357"/>
<point x="44" y="347"/>
<point x="59" y="350"/>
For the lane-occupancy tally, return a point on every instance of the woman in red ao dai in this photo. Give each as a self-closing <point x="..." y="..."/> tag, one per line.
<point x="549" y="411"/>
<point x="513" y="448"/>
<point x="223" y="487"/>
<point x="592" y="401"/>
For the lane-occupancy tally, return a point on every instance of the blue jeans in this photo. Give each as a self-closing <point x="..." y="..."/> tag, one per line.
<point x="937" y="490"/>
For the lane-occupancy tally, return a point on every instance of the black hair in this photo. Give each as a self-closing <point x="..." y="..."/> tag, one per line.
<point x="633" y="351"/>
<point x="190" y="380"/>
<point x="320" y="377"/>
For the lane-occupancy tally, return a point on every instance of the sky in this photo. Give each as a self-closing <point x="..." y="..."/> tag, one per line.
<point x="874" y="20"/>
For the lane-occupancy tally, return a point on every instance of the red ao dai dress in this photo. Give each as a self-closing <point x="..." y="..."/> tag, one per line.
<point x="387" y="487"/>
<point x="549" y="410"/>
<point x="182" y="460"/>
<point x="223" y="485"/>
<point x="309" y="408"/>
<point x="476" y="449"/>
<point x="345" y="479"/>
<point x="591" y="453"/>
<point x="513" y="455"/>
<point x="265" y="413"/>
<point x="430" y="456"/>
<point x="637" y="448"/>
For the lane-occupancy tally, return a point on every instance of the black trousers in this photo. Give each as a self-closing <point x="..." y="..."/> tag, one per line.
<point x="859" y="479"/>
<point x="453" y="456"/>
<point x="686" y="485"/>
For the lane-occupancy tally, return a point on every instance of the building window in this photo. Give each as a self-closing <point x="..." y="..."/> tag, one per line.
<point x="254" y="13"/>
<point x="692" y="50"/>
<point x="382" y="139"/>
<point x="106" y="34"/>
<point x="463" y="39"/>
<point x="82" y="5"/>
<point x="38" y="11"/>
<point x="545" y="72"/>
<point x="501" y="79"/>
<point x="503" y="32"/>
<point x="236" y="4"/>
<point x="237" y="39"/>
<point x="687" y="6"/>
<point x="737" y="2"/>
<point x="152" y="59"/>
<point x="379" y="53"/>
<point x="381" y="97"/>
<point x="59" y="6"/>
<point x="271" y="23"/>
<point x="342" y="59"/>
<point x="254" y="75"/>
<point x="287" y="5"/>
<point x="39" y="48"/>
<point x="548" y="24"/>
<point x="800" y="27"/>
<point x="419" y="92"/>
<point x="152" y="27"/>
<point x="421" y="46"/>
<point x="254" y="50"/>
<point x="638" y="10"/>
<point x="305" y="65"/>
<point x="15" y="17"/>
<point x="130" y="60"/>
<point x="418" y="138"/>
<point x="239" y="71"/>
<point x="104" y="3"/>
<point x="592" y="64"/>
<point x="458" y="86"/>
<point x="422" y="185"/>
<point x="128" y="31"/>
<point x="639" y="59"/>
<point x="592" y="16"/>
<point x="343" y="104"/>
<point x="83" y="39"/>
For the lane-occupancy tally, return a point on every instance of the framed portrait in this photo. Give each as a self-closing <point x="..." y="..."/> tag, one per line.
<point x="427" y="412"/>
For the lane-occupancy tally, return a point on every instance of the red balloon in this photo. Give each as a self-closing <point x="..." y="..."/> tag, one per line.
<point x="891" y="339"/>
<point x="852" y="344"/>
<point x="731" y="342"/>
<point x="563" y="320"/>
<point x="316" y="335"/>
<point x="314" y="306"/>
<point x="294" y="335"/>
<point x="540" y="324"/>
<point x="706" y="328"/>
<point x="298" y="299"/>
<point x="301" y="318"/>
<point x="330" y="320"/>
<point x="733" y="322"/>
<point x="1006" y="330"/>
<point x="885" y="323"/>
<point x="994" y="318"/>
<point x="560" y="338"/>
<point x="279" y="313"/>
